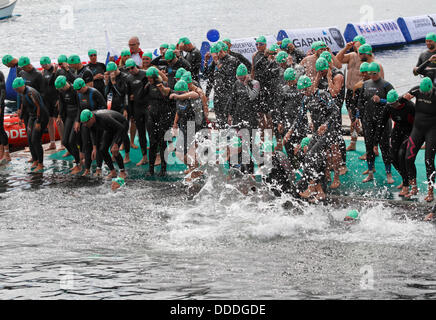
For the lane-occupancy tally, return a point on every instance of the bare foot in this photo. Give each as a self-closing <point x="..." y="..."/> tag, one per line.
<point x="39" y="168"/>
<point x="123" y="174"/>
<point x="77" y="169"/>
<point x="369" y="178"/>
<point x="376" y="151"/>
<point x="413" y="192"/>
<point x="142" y="162"/>
<point x="111" y="175"/>
<point x="30" y="160"/>
<point x="429" y="217"/>
<point x="351" y="147"/>
<point x="133" y="146"/>
<point x="335" y="184"/>
<point x="343" y="170"/>
<point x="362" y="157"/>
<point x="34" y="165"/>
<point x="404" y="191"/>
<point x="127" y="159"/>
<point x="52" y="146"/>
<point x="158" y="160"/>
<point x="26" y="149"/>
<point x="67" y="154"/>
<point x="61" y="148"/>
<point x="308" y="193"/>
<point x="87" y="173"/>
<point x="430" y="197"/>
<point x="367" y="171"/>
<point x="122" y="147"/>
<point x="400" y="186"/>
<point x="390" y="179"/>
<point x="97" y="173"/>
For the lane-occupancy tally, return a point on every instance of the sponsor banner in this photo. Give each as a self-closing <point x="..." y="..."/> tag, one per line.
<point x="377" y="34"/>
<point x="247" y="46"/>
<point x="416" y="28"/>
<point x="303" y="38"/>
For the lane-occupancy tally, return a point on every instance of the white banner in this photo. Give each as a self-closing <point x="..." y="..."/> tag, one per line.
<point x="377" y="33"/>
<point x="303" y="38"/>
<point x="416" y="28"/>
<point x="247" y="46"/>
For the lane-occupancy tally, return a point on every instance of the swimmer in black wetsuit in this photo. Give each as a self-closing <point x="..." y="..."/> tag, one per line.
<point x="159" y="117"/>
<point x="424" y="130"/>
<point x="69" y="112"/>
<point x="51" y="97"/>
<point x="81" y="71"/>
<point x="114" y="129"/>
<point x="98" y="69"/>
<point x="37" y="122"/>
<point x="136" y="82"/>
<point x="92" y="99"/>
<point x="402" y="112"/>
<point x="115" y="87"/>
<point x="373" y="102"/>
<point x="4" y="143"/>
<point x="430" y="41"/>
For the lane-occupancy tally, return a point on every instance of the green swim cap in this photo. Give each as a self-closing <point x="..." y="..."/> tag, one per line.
<point x="23" y="61"/>
<point x="241" y="70"/>
<point x="236" y="142"/>
<point x="119" y="180"/>
<point x="365" y="49"/>
<point x="223" y="46"/>
<point x="74" y="59"/>
<point x="111" y="66"/>
<point x="125" y="52"/>
<point x="285" y="43"/>
<point x="60" y="82"/>
<point x="44" y="60"/>
<point x="281" y="57"/>
<point x="85" y="115"/>
<point x="181" y="86"/>
<point x="18" y="82"/>
<point x="373" y="67"/>
<point x="164" y="45"/>
<point x="227" y="40"/>
<point x="172" y="46"/>
<point x="184" y="40"/>
<point x="215" y="48"/>
<point x="152" y="72"/>
<point x="392" y="96"/>
<point x="318" y="45"/>
<point x="289" y="74"/>
<point x="354" y="214"/>
<point x="426" y="85"/>
<point x="92" y="51"/>
<point x="364" y="67"/>
<point x="431" y="36"/>
<point x="326" y="55"/>
<point x="130" y="63"/>
<point x="304" y="142"/>
<point x="169" y="55"/>
<point x="187" y="77"/>
<point x="7" y="59"/>
<point x="261" y="39"/>
<point x="179" y="73"/>
<point x="360" y="39"/>
<point x="148" y="54"/>
<point x="274" y="47"/>
<point x="62" y="59"/>
<point x="321" y="64"/>
<point x="304" y="82"/>
<point x="78" y="84"/>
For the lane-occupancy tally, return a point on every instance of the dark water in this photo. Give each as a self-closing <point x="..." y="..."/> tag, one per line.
<point x="64" y="237"/>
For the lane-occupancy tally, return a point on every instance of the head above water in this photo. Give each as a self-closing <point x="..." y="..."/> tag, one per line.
<point x="86" y="115"/>
<point x="241" y="71"/>
<point x="60" y="82"/>
<point x="322" y="64"/>
<point x="361" y="39"/>
<point x="304" y="82"/>
<point x="364" y="67"/>
<point x="282" y="57"/>
<point x="181" y="86"/>
<point x="426" y="85"/>
<point x="365" y="52"/>
<point x="117" y="183"/>
<point x="285" y="43"/>
<point x="392" y="97"/>
<point x="187" y="77"/>
<point x="111" y="66"/>
<point x="179" y="73"/>
<point x="62" y="59"/>
<point x="78" y="84"/>
<point x="290" y="74"/>
<point x="430" y="40"/>
<point x="24" y="62"/>
<point x="7" y="59"/>
<point x="18" y="83"/>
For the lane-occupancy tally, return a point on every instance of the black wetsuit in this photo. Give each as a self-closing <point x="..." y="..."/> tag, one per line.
<point x="194" y="59"/>
<point x="428" y="69"/>
<point x="50" y="94"/>
<point x="35" y="136"/>
<point x="224" y="78"/>
<point x="241" y="59"/>
<point x="68" y="74"/>
<point x="3" y="135"/>
<point x="403" y="117"/>
<point x="171" y="70"/>
<point x="186" y="114"/>
<point x="93" y="100"/>
<point x="424" y="130"/>
<point x="35" y="80"/>
<point x="159" y="121"/>
<point x="98" y="68"/>
<point x="135" y="86"/>
<point x="242" y="107"/>
<point x="118" y="92"/>
<point x="85" y="74"/>
<point x="297" y="55"/>
<point x="323" y="110"/>
<point x="261" y="73"/>
<point x="424" y="56"/>
<point x="69" y="111"/>
<point x="372" y="119"/>
<point x="113" y="128"/>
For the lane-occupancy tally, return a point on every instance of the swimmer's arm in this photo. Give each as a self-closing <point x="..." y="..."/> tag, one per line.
<point x="38" y="108"/>
<point x="189" y="95"/>
<point x="336" y="84"/>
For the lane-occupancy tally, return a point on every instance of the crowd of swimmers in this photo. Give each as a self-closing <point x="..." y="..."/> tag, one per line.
<point x="96" y="106"/>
